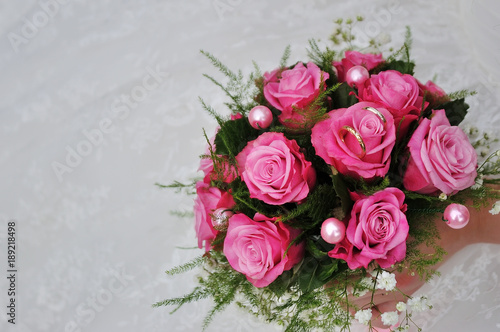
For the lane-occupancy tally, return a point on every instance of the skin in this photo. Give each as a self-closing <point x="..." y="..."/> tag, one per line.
<point x="483" y="227"/>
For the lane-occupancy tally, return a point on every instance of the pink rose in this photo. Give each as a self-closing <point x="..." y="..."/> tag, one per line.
<point x="433" y="93"/>
<point x="400" y="93"/>
<point x="377" y="230"/>
<point x="207" y="201"/>
<point x="441" y="158"/>
<point x="343" y="149"/>
<point x="257" y="247"/>
<point x="355" y="58"/>
<point x="274" y="169"/>
<point x="432" y="88"/>
<point x="292" y="91"/>
<point x="236" y="116"/>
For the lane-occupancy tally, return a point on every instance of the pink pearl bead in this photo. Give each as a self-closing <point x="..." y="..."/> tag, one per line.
<point x="357" y="75"/>
<point x="332" y="230"/>
<point x="220" y="218"/>
<point x="456" y="216"/>
<point x="260" y="117"/>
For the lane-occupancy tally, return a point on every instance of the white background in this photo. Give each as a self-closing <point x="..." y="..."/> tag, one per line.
<point x="94" y="238"/>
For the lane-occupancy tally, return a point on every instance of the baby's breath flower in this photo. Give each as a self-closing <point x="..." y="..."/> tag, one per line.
<point x="419" y="303"/>
<point x="496" y="208"/>
<point x="383" y="38"/>
<point x="386" y="280"/>
<point x="401" y="306"/>
<point x="443" y="196"/>
<point x="363" y="316"/>
<point x="365" y="285"/>
<point x="389" y="318"/>
<point x="478" y="184"/>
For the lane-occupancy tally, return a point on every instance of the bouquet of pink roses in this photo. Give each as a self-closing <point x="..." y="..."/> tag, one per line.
<point x="323" y="182"/>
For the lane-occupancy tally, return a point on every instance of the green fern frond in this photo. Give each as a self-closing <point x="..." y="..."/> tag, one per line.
<point x="285" y="57"/>
<point x="460" y="94"/>
<point x="187" y="188"/>
<point x="235" y="98"/>
<point x="197" y="294"/>
<point x="198" y="261"/>
<point x="219" y="65"/>
<point x="220" y="120"/>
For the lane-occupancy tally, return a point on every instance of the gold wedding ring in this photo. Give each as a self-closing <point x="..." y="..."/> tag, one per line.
<point x="376" y="112"/>
<point x="348" y="129"/>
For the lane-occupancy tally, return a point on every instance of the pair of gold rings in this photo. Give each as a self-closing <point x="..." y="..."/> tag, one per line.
<point x="350" y="130"/>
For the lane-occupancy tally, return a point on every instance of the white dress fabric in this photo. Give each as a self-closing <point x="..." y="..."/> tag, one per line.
<point x="99" y="100"/>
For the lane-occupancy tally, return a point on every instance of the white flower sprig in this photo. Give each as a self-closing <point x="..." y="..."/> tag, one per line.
<point x="363" y="316"/>
<point x="386" y="280"/>
<point x="495" y="209"/>
<point x="419" y="304"/>
<point x="479" y="183"/>
<point x="389" y="318"/>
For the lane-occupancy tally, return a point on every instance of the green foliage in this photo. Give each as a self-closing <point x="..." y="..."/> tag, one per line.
<point x="400" y="60"/>
<point x="423" y="231"/>
<point x="456" y="111"/>
<point x="197" y="294"/>
<point x="342" y="192"/>
<point x="342" y="34"/>
<point x="240" y="91"/>
<point x="187" y="188"/>
<point x="403" y="53"/>
<point x="313" y="113"/>
<point x="316" y="270"/>
<point x="324" y="58"/>
<point x="285" y="57"/>
<point x="198" y="261"/>
<point x="247" y="205"/>
<point x="233" y="136"/>
<point x="491" y="166"/>
<point x="313" y="210"/>
<point x="182" y="214"/>
<point x="401" y="66"/>
<point x="461" y="94"/>
<point x="372" y="188"/>
<point x="482" y="196"/>
<point x="343" y="97"/>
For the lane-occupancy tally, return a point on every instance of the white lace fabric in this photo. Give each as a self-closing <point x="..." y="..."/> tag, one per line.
<point x="118" y="83"/>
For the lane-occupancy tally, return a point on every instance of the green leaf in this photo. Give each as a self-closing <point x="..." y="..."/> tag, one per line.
<point x="307" y="277"/>
<point x="456" y="111"/>
<point x="233" y="136"/>
<point x="314" y="274"/>
<point x="343" y="97"/>
<point x="342" y="192"/>
<point x="399" y="65"/>
<point x="327" y="269"/>
<point x="313" y="249"/>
